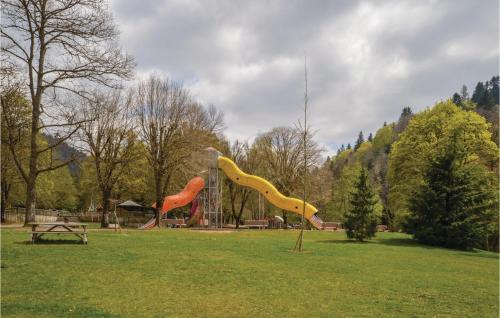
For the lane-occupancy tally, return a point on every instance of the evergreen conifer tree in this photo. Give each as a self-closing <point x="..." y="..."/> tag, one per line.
<point x="370" y="137"/>
<point x="495" y="89"/>
<point x="457" y="99"/>
<point x="454" y="205"/>
<point x="478" y="94"/>
<point x="404" y="119"/>
<point x="464" y="94"/>
<point x="360" y="220"/>
<point x="361" y="139"/>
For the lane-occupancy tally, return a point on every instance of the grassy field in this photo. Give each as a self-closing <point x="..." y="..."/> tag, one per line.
<point x="183" y="273"/>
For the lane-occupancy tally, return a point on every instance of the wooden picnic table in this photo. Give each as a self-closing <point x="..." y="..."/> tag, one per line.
<point x="75" y="228"/>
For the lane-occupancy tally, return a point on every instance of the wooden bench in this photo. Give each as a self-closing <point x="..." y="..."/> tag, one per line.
<point x="74" y="228"/>
<point x="175" y="222"/>
<point x="331" y="226"/>
<point x="259" y="224"/>
<point x="382" y="228"/>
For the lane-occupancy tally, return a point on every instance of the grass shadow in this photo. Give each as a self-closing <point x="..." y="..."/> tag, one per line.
<point x="344" y="242"/>
<point x="401" y="242"/>
<point x="408" y="242"/>
<point x="52" y="242"/>
<point x="480" y="253"/>
<point x="53" y="310"/>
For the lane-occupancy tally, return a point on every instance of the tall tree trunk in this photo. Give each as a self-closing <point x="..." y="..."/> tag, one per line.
<point x="30" y="200"/>
<point x="237" y="216"/>
<point x="285" y="219"/>
<point x="158" y="200"/>
<point x="244" y="198"/>
<point x="233" y="211"/>
<point x="106" y="195"/>
<point x="5" y="196"/>
<point x="33" y="169"/>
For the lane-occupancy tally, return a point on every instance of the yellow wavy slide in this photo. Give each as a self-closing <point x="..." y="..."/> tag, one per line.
<point x="267" y="190"/>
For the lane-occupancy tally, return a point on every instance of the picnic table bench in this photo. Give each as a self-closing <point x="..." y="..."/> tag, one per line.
<point x="260" y="224"/>
<point x="332" y="226"/>
<point x="175" y="222"/>
<point x="74" y="228"/>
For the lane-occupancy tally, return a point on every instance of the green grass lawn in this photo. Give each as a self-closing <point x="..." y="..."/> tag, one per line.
<point x="183" y="273"/>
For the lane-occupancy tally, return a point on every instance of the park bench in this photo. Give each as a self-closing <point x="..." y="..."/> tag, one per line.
<point x="331" y="226"/>
<point x="382" y="228"/>
<point x="73" y="228"/>
<point x="260" y="224"/>
<point x="175" y="222"/>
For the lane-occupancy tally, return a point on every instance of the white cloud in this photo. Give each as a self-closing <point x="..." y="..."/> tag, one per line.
<point x="366" y="59"/>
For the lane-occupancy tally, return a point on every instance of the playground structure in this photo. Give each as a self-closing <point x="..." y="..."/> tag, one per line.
<point x="187" y="195"/>
<point x="209" y="192"/>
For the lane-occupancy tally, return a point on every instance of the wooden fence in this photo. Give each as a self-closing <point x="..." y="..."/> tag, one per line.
<point x="17" y="215"/>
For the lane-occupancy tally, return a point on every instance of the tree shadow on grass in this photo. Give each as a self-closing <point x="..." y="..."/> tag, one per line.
<point x="345" y="242"/>
<point x="52" y="242"/>
<point x="53" y="310"/>
<point x="408" y="242"/>
<point x="404" y="242"/>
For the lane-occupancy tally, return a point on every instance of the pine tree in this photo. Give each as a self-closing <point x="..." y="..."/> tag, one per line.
<point x="370" y="137"/>
<point x="361" y="139"/>
<point x="464" y="93"/>
<point x="478" y="94"/>
<point x="406" y="112"/>
<point x="348" y="147"/>
<point x="454" y="205"/>
<point x="404" y="119"/>
<point x="457" y="99"/>
<point x="360" y="220"/>
<point x="494" y="90"/>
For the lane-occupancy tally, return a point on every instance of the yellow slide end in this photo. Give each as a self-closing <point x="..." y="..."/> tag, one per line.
<point x="265" y="188"/>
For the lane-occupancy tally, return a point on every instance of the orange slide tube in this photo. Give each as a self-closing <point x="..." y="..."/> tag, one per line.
<point x="188" y="194"/>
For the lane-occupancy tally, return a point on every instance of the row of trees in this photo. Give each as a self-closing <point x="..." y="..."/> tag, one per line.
<point x="63" y="73"/>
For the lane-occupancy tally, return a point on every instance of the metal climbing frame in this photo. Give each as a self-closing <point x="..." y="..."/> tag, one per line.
<point x="212" y="207"/>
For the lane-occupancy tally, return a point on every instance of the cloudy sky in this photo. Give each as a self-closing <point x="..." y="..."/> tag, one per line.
<point x="366" y="59"/>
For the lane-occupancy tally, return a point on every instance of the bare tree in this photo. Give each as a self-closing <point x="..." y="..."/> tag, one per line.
<point x="63" y="47"/>
<point x="207" y="120"/>
<point x="201" y="127"/>
<point x="281" y="151"/>
<point x="108" y="132"/>
<point x="162" y="108"/>
<point x="239" y="153"/>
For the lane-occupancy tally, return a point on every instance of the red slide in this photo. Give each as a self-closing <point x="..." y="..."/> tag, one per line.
<point x="196" y="213"/>
<point x="188" y="194"/>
